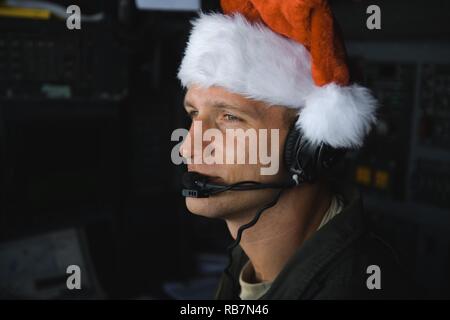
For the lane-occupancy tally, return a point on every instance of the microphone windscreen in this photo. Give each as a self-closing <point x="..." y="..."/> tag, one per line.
<point x="189" y="179"/>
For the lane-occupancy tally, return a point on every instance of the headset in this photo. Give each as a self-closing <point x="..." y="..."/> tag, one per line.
<point x="304" y="162"/>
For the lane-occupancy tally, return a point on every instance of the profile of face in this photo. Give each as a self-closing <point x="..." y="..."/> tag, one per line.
<point x="221" y="110"/>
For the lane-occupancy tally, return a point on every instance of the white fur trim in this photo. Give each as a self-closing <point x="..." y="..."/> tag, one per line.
<point x="248" y="59"/>
<point x="251" y="60"/>
<point x="339" y="116"/>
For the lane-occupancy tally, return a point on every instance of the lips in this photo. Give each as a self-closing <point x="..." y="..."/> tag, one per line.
<point x="210" y="179"/>
<point x="217" y="180"/>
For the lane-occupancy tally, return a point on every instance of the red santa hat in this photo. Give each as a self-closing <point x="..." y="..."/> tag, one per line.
<point x="284" y="53"/>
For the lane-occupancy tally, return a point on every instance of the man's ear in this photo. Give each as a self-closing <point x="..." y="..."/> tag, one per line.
<point x="290" y="115"/>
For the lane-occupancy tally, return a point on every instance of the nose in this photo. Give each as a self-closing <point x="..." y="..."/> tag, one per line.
<point x="192" y="147"/>
<point x="186" y="147"/>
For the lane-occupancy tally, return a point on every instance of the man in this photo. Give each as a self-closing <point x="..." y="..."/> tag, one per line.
<point x="266" y="65"/>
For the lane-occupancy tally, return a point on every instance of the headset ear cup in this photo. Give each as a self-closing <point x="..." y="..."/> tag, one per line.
<point x="306" y="160"/>
<point x="330" y="156"/>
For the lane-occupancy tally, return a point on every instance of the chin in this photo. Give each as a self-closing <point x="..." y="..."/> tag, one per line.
<point x="222" y="206"/>
<point x="203" y="207"/>
<point x="228" y="205"/>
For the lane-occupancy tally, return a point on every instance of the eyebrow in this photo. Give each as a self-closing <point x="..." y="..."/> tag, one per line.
<point x="223" y="105"/>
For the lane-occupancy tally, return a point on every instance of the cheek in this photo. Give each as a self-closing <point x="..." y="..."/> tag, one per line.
<point x="241" y="148"/>
<point x="244" y="156"/>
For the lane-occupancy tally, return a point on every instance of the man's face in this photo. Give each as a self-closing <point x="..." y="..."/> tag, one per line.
<point x="218" y="109"/>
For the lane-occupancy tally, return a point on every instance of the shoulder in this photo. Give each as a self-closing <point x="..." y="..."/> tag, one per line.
<point x="369" y="268"/>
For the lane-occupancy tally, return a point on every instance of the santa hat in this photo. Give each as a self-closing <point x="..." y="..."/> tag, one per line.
<point x="284" y="53"/>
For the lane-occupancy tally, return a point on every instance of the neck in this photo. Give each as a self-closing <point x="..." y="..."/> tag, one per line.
<point x="282" y="229"/>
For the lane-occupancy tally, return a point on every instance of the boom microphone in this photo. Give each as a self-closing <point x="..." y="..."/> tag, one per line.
<point x="196" y="185"/>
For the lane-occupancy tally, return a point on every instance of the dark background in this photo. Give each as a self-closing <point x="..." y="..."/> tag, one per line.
<point x="85" y="171"/>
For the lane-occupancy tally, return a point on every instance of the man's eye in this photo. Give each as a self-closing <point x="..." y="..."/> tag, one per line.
<point x="192" y="114"/>
<point x="230" y="117"/>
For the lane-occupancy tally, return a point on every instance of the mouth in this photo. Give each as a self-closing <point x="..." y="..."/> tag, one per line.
<point x="216" y="180"/>
<point x="211" y="179"/>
